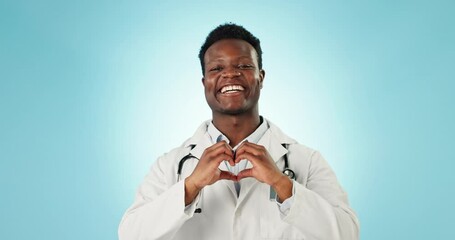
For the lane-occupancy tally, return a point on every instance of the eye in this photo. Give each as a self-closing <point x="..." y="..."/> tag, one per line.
<point x="245" y="66"/>
<point x="216" y="69"/>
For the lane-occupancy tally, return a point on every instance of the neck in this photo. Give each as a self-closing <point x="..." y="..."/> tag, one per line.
<point x="236" y="127"/>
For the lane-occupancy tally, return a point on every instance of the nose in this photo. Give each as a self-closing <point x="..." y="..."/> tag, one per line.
<point x="230" y="73"/>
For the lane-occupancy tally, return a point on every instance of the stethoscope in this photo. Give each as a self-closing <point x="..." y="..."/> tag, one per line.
<point x="286" y="171"/>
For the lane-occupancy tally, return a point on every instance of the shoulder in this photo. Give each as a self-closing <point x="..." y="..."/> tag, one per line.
<point x="175" y="154"/>
<point x="165" y="167"/>
<point x="296" y="149"/>
<point x="290" y="143"/>
<point x="302" y="150"/>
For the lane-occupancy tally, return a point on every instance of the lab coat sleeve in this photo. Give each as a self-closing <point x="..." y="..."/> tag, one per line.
<point x="159" y="208"/>
<point x="320" y="208"/>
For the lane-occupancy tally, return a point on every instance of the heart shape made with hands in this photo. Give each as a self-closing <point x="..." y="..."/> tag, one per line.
<point x="237" y="168"/>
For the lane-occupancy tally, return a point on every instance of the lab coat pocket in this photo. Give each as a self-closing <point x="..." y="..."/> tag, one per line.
<point x="272" y="226"/>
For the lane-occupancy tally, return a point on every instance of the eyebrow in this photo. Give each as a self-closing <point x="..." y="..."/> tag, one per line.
<point x="238" y="58"/>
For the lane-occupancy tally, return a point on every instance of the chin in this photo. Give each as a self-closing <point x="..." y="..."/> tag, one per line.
<point x="228" y="111"/>
<point x="233" y="112"/>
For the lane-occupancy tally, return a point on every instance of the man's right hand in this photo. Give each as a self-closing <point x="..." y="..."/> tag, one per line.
<point x="207" y="171"/>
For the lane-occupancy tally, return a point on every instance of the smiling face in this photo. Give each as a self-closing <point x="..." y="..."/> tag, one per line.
<point x="232" y="79"/>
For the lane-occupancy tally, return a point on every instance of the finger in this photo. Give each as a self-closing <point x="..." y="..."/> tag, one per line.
<point x="227" y="176"/>
<point x="245" y="173"/>
<point x="248" y="156"/>
<point x="219" y="158"/>
<point x="223" y="146"/>
<point x="229" y="151"/>
<point x="231" y="162"/>
<point x="228" y="146"/>
<point x="250" y="144"/>
<point x="218" y="149"/>
<point x="222" y="156"/>
<point x="251" y="148"/>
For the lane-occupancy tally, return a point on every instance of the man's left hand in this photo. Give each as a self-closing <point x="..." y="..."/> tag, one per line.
<point x="264" y="169"/>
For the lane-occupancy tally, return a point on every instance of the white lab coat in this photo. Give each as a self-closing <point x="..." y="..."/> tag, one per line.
<point x="320" y="208"/>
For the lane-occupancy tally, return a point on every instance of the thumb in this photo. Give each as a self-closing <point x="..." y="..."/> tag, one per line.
<point x="227" y="175"/>
<point x="245" y="173"/>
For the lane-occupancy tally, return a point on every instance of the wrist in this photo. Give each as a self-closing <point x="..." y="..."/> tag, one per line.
<point x="283" y="188"/>
<point x="190" y="185"/>
<point x="191" y="191"/>
<point x="281" y="181"/>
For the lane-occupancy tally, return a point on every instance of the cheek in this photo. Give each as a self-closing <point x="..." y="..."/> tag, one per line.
<point x="209" y="84"/>
<point x="208" y="87"/>
<point x="257" y="82"/>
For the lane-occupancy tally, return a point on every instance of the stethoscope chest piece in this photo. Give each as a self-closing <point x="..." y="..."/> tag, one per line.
<point x="288" y="172"/>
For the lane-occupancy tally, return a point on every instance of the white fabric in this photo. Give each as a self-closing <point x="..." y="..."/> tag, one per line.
<point x="320" y="209"/>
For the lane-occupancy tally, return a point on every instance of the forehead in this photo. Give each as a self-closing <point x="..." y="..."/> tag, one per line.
<point x="231" y="48"/>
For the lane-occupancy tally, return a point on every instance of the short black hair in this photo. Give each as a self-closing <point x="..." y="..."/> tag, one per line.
<point x="230" y="31"/>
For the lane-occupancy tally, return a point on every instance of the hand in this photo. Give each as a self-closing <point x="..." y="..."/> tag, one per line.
<point x="207" y="171"/>
<point x="264" y="169"/>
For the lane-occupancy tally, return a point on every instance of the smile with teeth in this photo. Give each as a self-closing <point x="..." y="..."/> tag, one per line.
<point x="231" y="89"/>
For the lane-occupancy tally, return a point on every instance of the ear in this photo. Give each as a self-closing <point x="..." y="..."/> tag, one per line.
<point x="261" y="77"/>
<point x="203" y="79"/>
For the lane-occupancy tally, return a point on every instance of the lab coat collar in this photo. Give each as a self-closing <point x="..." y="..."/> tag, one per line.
<point x="216" y="135"/>
<point x="199" y="141"/>
<point x="272" y="140"/>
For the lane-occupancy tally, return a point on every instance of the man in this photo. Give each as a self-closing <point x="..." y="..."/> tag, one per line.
<point x="227" y="181"/>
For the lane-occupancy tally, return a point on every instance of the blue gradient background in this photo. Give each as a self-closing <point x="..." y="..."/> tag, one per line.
<point x="93" y="91"/>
